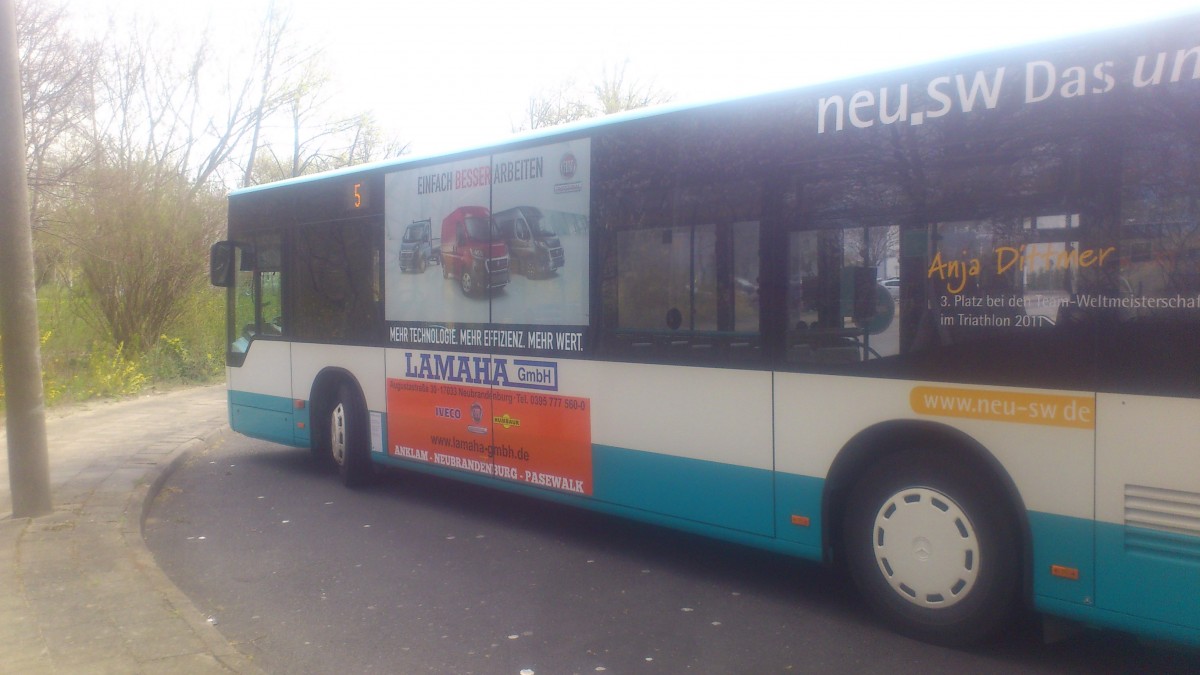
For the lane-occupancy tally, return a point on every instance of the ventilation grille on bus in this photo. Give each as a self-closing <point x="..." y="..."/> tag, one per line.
<point x="1162" y="522"/>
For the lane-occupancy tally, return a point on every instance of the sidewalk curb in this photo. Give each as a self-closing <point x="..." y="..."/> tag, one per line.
<point x="141" y="500"/>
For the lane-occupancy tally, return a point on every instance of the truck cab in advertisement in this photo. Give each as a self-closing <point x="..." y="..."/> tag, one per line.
<point x="472" y="252"/>
<point x="534" y="248"/>
<point x="418" y="248"/>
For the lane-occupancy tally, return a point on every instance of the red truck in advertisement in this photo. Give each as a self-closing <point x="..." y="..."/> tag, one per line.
<point x="472" y="251"/>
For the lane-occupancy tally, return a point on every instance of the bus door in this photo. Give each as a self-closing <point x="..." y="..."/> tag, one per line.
<point x="259" y="372"/>
<point x="685" y="427"/>
<point x="838" y="318"/>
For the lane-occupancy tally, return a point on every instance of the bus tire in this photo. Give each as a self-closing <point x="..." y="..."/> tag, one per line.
<point x="349" y="444"/>
<point x="467" y="282"/>
<point x="931" y="549"/>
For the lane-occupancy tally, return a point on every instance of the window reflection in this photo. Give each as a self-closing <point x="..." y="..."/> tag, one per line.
<point x="687" y="286"/>
<point x="337" y="282"/>
<point x="258" y="298"/>
<point x="840" y="306"/>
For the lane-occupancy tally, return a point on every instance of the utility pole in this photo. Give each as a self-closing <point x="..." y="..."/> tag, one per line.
<point x="28" y="463"/>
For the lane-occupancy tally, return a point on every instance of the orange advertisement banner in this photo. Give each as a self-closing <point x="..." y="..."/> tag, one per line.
<point x="537" y="438"/>
<point x="1004" y="406"/>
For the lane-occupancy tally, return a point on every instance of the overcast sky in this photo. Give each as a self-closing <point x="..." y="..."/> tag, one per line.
<point x="444" y="75"/>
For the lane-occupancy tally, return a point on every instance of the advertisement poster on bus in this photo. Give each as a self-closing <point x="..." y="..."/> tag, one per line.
<point x="491" y="252"/>
<point x="495" y="416"/>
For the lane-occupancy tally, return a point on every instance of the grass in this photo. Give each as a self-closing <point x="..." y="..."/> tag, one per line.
<point x="80" y="362"/>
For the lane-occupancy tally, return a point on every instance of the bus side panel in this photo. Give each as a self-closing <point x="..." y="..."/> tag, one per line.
<point x="1066" y="544"/>
<point x="261" y="416"/>
<point x="672" y="442"/>
<point x="364" y="363"/>
<point x="798" y="513"/>
<point x="1051" y="465"/>
<point x="812" y="423"/>
<point x="1148" y="508"/>
<point x="725" y="495"/>
<point x="260" y="401"/>
<point x="694" y="443"/>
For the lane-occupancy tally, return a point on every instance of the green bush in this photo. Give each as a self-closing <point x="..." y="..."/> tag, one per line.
<point x="171" y="360"/>
<point x="110" y="373"/>
<point x="80" y="364"/>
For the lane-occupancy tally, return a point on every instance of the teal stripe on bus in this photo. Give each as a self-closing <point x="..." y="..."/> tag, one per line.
<point x="725" y="495"/>
<point x="1067" y="542"/>
<point x="1143" y="571"/>
<point x="270" y="418"/>
<point x="647" y="510"/>
<point x="1126" y="574"/>
<point x="798" y="513"/>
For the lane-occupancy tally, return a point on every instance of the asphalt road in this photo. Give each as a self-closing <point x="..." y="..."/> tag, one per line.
<point x="421" y="575"/>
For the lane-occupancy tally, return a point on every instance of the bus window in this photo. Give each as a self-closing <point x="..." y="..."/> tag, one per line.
<point x="689" y="287"/>
<point x="839" y="310"/>
<point x="746" y="277"/>
<point x="1150" y="309"/>
<point x="337" y="283"/>
<point x="243" y="302"/>
<point x="258" y="299"/>
<point x="269" y="311"/>
<point x="667" y="269"/>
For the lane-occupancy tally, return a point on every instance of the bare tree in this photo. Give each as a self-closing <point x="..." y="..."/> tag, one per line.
<point x="295" y="86"/>
<point x="138" y="134"/>
<point x="146" y="211"/>
<point x="560" y="105"/>
<point x="367" y="143"/>
<point x="318" y="141"/>
<point x="613" y="92"/>
<point x="871" y="246"/>
<point x="58" y="73"/>
<point x="311" y="138"/>
<point x="145" y="238"/>
<point x="269" y="50"/>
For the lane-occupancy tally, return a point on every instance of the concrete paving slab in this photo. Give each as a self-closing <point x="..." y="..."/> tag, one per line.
<point x="79" y="590"/>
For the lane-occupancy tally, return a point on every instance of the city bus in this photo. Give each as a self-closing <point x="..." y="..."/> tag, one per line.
<point x="1011" y="424"/>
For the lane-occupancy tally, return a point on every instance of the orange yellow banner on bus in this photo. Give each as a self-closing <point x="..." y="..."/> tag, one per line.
<point x="1005" y="406"/>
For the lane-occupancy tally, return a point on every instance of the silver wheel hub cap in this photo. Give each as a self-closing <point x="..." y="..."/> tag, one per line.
<point x="337" y="434"/>
<point x="926" y="547"/>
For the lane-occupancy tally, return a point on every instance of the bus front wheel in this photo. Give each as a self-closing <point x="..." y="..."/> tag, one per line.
<point x="930" y="549"/>
<point x="349" y="444"/>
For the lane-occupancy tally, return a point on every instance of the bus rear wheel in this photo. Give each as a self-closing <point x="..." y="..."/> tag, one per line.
<point x="349" y="445"/>
<point x="930" y="548"/>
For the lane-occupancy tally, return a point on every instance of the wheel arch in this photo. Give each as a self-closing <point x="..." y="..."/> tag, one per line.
<point x="886" y="438"/>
